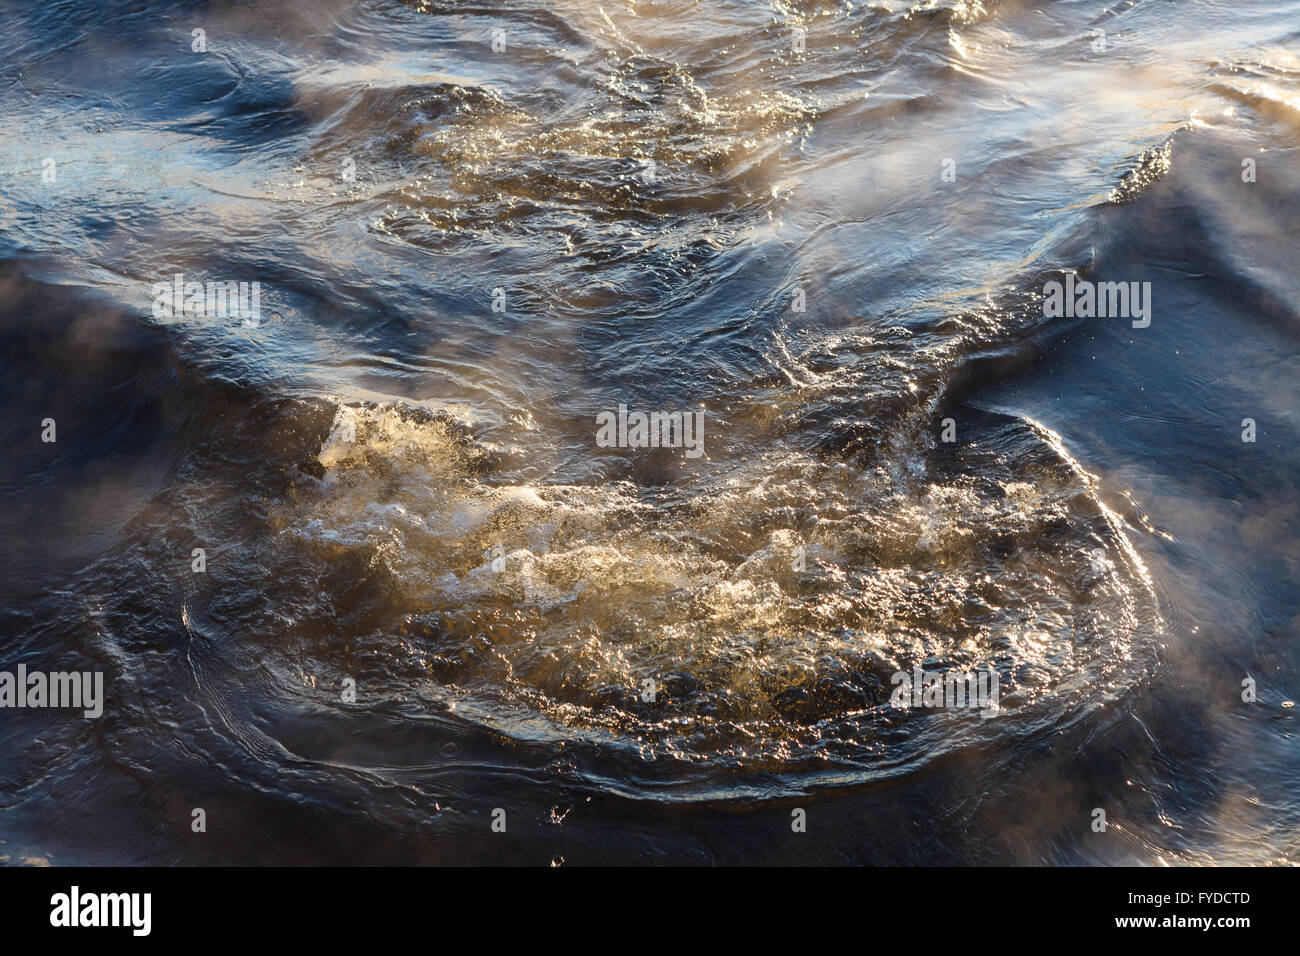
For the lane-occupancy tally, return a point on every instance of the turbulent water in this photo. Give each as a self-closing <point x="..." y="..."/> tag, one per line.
<point x="826" y="227"/>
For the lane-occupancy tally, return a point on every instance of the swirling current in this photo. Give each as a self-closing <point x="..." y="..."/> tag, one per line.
<point x="359" y="573"/>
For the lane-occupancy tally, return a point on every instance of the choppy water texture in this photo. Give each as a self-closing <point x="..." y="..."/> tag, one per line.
<point x="397" y="484"/>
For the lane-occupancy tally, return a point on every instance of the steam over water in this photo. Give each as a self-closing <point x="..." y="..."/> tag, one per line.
<point x="825" y="227"/>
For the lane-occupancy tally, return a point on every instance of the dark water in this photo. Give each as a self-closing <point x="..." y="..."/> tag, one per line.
<point x="651" y="187"/>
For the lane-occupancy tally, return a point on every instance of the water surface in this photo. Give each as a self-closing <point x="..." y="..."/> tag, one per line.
<point x="465" y="254"/>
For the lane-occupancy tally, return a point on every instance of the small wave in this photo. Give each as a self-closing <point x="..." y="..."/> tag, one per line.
<point x="771" y="607"/>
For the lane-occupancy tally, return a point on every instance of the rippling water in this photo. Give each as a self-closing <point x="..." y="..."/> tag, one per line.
<point x="827" y="227"/>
